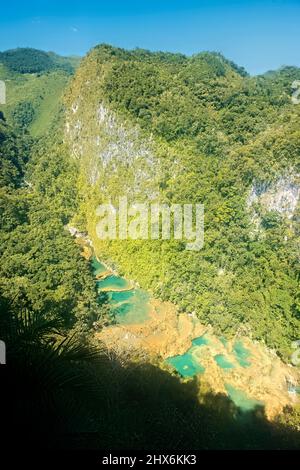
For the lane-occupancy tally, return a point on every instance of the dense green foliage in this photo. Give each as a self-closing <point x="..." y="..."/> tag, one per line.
<point x="214" y="135"/>
<point x="33" y="99"/>
<point x="23" y="114"/>
<point x="41" y="267"/>
<point x="14" y="153"/>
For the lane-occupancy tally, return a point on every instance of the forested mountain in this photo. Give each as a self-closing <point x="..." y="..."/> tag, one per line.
<point x="154" y="127"/>
<point x="35" y="81"/>
<point x="160" y="126"/>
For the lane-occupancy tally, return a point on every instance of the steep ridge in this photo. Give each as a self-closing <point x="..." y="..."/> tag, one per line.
<point x="164" y="127"/>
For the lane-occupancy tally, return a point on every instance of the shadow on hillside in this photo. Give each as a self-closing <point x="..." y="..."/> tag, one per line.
<point x="105" y="405"/>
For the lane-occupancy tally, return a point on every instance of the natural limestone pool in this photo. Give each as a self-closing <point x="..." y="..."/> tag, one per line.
<point x="201" y="341"/>
<point x="112" y="283"/>
<point x="223" y="362"/>
<point x="242" y="354"/>
<point x="128" y="304"/>
<point x="96" y="266"/>
<point x="186" y="364"/>
<point x="241" y="400"/>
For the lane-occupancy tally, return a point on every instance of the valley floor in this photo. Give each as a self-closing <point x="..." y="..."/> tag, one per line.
<point x="246" y="371"/>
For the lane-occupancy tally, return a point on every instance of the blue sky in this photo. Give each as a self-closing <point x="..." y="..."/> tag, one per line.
<point x="260" y="35"/>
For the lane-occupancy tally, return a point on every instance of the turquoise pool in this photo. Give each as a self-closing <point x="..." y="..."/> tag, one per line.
<point x="242" y="354"/>
<point x="127" y="306"/>
<point x="223" y="362"/>
<point x="186" y="365"/>
<point x="241" y="400"/>
<point x="200" y="341"/>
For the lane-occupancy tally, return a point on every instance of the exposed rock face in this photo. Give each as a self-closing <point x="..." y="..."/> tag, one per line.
<point x="102" y="276"/>
<point x="108" y="148"/>
<point x="281" y="196"/>
<point x="77" y="234"/>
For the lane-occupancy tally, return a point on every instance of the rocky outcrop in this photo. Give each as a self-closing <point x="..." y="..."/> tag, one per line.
<point x="104" y="275"/>
<point x="281" y="196"/>
<point x="109" y="148"/>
